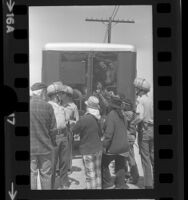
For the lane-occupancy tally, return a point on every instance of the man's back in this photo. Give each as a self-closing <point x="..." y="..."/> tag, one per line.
<point x="88" y="130"/>
<point x="146" y="101"/>
<point x="42" y="122"/>
<point x="145" y="108"/>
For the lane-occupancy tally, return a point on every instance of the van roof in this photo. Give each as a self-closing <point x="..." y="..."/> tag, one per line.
<point x="88" y="47"/>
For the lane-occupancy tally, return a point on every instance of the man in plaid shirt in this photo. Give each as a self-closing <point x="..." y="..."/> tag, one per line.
<point x="42" y="135"/>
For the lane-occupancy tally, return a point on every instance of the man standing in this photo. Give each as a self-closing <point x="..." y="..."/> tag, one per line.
<point x="90" y="142"/>
<point x="72" y="116"/>
<point x="129" y="113"/>
<point x="42" y="131"/>
<point x="55" y="92"/>
<point x="116" y="145"/>
<point x="144" y="121"/>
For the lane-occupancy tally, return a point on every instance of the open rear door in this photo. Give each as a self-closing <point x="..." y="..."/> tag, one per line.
<point x="116" y="72"/>
<point x="126" y="74"/>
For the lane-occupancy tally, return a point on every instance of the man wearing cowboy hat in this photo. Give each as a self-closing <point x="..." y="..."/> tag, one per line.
<point x="144" y="122"/>
<point x="90" y="142"/>
<point x="55" y="92"/>
<point x="42" y="133"/>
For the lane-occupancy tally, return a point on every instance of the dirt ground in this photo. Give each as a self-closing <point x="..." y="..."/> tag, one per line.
<point x="77" y="177"/>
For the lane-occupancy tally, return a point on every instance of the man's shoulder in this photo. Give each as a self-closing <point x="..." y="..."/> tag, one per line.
<point x="37" y="101"/>
<point x="45" y="105"/>
<point x="70" y="105"/>
<point x="53" y="104"/>
<point x="86" y="117"/>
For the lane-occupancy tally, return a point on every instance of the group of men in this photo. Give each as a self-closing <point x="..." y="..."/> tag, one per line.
<point x="52" y="116"/>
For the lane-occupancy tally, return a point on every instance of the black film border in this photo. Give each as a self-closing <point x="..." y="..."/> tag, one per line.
<point x="168" y="170"/>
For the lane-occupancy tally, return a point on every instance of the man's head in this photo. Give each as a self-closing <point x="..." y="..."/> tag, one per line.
<point x="103" y="65"/>
<point x="142" y="86"/>
<point x="93" y="103"/>
<point x="39" y="89"/>
<point x="55" y="92"/>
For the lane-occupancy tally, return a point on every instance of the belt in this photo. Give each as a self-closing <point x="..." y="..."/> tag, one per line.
<point x="62" y="131"/>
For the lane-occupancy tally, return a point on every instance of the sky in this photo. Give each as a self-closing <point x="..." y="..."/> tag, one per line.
<point x="67" y="24"/>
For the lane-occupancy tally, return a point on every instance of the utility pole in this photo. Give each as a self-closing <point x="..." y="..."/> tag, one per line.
<point x="109" y="29"/>
<point x="109" y="24"/>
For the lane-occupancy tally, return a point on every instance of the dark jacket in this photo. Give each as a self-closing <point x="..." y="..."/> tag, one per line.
<point x="115" y="135"/>
<point x="90" y="133"/>
<point x="42" y="126"/>
<point x="130" y="116"/>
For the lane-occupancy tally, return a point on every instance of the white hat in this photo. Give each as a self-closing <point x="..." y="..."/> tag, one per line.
<point x="142" y="84"/>
<point x="54" y="88"/>
<point x="93" y="102"/>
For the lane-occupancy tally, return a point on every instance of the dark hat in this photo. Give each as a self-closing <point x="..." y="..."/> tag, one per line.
<point x="77" y="94"/>
<point x="115" y="102"/>
<point x="127" y="103"/>
<point x="38" y="86"/>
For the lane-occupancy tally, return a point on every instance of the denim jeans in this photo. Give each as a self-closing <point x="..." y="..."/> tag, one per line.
<point x="119" y="167"/>
<point x="146" y="148"/>
<point x="41" y="165"/>
<point x="60" y="158"/>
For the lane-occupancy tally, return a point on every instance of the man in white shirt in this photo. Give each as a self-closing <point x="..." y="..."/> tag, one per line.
<point x="144" y="122"/>
<point x="54" y="92"/>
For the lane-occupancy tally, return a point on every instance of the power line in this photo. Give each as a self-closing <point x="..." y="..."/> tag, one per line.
<point x="115" y="12"/>
<point x="109" y="23"/>
<point x="107" y="20"/>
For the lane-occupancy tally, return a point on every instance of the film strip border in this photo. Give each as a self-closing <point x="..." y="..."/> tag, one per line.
<point x="166" y="54"/>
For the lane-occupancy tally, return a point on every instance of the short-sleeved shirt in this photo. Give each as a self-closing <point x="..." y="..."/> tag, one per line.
<point x="145" y="109"/>
<point x="42" y="125"/>
<point x="59" y="115"/>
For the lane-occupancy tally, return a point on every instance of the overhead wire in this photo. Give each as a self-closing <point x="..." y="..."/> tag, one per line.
<point x="115" y="12"/>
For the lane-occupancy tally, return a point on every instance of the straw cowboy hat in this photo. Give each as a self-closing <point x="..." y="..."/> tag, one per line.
<point x="55" y="88"/>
